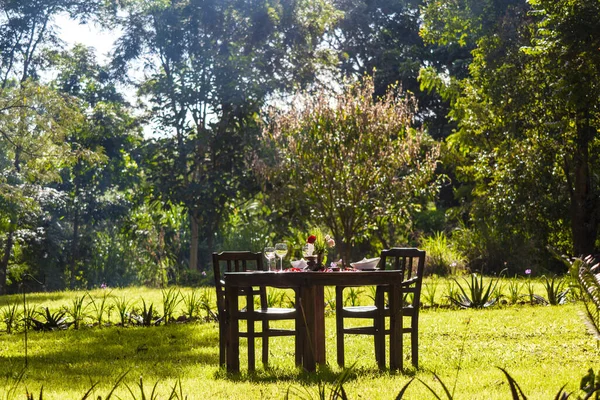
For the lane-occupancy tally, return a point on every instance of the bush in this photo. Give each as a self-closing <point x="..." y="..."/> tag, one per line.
<point x="442" y="257"/>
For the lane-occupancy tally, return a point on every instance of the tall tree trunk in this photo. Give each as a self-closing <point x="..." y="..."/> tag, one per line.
<point x="4" y="262"/>
<point x="194" y="242"/>
<point x="584" y="202"/>
<point x="74" y="248"/>
<point x="210" y="244"/>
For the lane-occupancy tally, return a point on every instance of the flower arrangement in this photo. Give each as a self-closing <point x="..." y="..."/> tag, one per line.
<point x="317" y="244"/>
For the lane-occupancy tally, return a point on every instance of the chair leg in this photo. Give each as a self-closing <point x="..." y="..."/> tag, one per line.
<point x="414" y="342"/>
<point x="222" y="343"/>
<point x="299" y="344"/>
<point x="251" y="346"/>
<point x="339" y="322"/>
<point x="379" y="340"/>
<point x="265" y="343"/>
<point x="250" y="331"/>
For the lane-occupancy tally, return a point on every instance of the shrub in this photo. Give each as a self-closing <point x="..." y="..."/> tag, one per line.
<point x="442" y="257"/>
<point x="478" y="296"/>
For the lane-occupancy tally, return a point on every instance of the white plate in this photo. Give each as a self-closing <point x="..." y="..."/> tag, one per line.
<point x="365" y="263"/>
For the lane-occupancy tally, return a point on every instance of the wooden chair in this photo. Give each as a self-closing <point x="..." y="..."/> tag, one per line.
<point x="241" y="261"/>
<point x="411" y="262"/>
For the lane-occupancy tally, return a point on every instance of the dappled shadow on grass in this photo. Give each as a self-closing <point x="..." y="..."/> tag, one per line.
<point x="36" y="298"/>
<point x="162" y="352"/>
<point x="324" y="374"/>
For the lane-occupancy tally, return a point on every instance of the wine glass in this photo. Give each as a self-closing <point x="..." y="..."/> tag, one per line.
<point x="281" y="251"/>
<point x="269" y="253"/>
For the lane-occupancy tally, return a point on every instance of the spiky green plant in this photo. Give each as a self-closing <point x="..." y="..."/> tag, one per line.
<point x="191" y="305"/>
<point x="514" y="290"/>
<point x="323" y="392"/>
<point x="451" y="290"/>
<point x="479" y="295"/>
<point x="170" y="299"/>
<point x="50" y="321"/>
<point x="123" y="306"/>
<point x="77" y="310"/>
<point x="429" y="292"/>
<point x="589" y="278"/>
<point x="28" y="313"/>
<point x="275" y="298"/>
<point x="353" y="296"/>
<point x="146" y="316"/>
<point x="99" y="307"/>
<point x="153" y="394"/>
<point x="556" y="290"/>
<point x="206" y="303"/>
<point x="10" y="316"/>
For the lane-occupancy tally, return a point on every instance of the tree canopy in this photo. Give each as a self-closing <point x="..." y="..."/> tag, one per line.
<point x="228" y="124"/>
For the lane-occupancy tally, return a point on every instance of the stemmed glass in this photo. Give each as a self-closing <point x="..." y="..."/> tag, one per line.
<point x="281" y="251"/>
<point x="269" y="253"/>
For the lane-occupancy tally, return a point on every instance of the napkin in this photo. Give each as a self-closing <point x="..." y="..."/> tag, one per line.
<point x="300" y="264"/>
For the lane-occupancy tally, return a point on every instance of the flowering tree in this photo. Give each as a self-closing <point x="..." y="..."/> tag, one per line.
<point x="355" y="162"/>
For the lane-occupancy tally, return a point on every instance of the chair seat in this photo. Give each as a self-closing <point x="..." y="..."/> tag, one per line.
<point x="359" y="311"/>
<point x="407" y="311"/>
<point x="271" y="314"/>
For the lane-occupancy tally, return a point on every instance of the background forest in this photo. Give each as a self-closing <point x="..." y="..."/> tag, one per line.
<point x="466" y="127"/>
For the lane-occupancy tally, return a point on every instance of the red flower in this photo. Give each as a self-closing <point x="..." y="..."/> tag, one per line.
<point x="311" y="239"/>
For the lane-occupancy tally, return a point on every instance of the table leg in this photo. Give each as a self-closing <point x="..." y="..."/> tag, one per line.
<point x="307" y="310"/>
<point x="319" y="332"/>
<point x="396" y="305"/>
<point x="233" y="330"/>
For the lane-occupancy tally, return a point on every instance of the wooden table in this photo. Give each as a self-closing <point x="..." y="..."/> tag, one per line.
<point x="312" y="308"/>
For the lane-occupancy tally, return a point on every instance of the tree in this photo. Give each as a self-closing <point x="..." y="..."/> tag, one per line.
<point x="381" y="38"/>
<point x="210" y="66"/>
<point x="528" y="123"/>
<point x="104" y="171"/>
<point x="34" y="119"/>
<point x="355" y="161"/>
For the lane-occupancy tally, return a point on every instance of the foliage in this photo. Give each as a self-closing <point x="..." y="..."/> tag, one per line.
<point x="10" y="316"/>
<point x="145" y="316"/>
<point x="247" y="227"/>
<point x="442" y="257"/>
<point x="429" y="292"/>
<point x="324" y="159"/>
<point x="514" y="290"/>
<point x="34" y="122"/>
<point x="525" y="147"/>
<point x="77" y="310"/>
<point x="123" y="306"/>
<point x="588" y="276"/>
<point x="209" y="68"/>
<point x="556" y="290"/>
<point x="192" y="304"/>
<point x="99" y="307"/>
<point x="323" y="392"/>
<point x="479" y="295"/>
<point x="381" y="38"/>
<point x="50" y="321"/>
<point x="170" y="299"/>
<point x="352" y="297"/>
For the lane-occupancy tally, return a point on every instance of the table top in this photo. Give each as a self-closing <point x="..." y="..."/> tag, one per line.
<point x="285" y="279"/>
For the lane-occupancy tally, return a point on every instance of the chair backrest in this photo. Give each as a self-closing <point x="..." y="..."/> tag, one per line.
<point x="411" y="261"/>
<point x="235" y="261"/>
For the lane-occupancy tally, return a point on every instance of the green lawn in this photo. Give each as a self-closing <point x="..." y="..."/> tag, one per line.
<point x="543" y="348"/>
